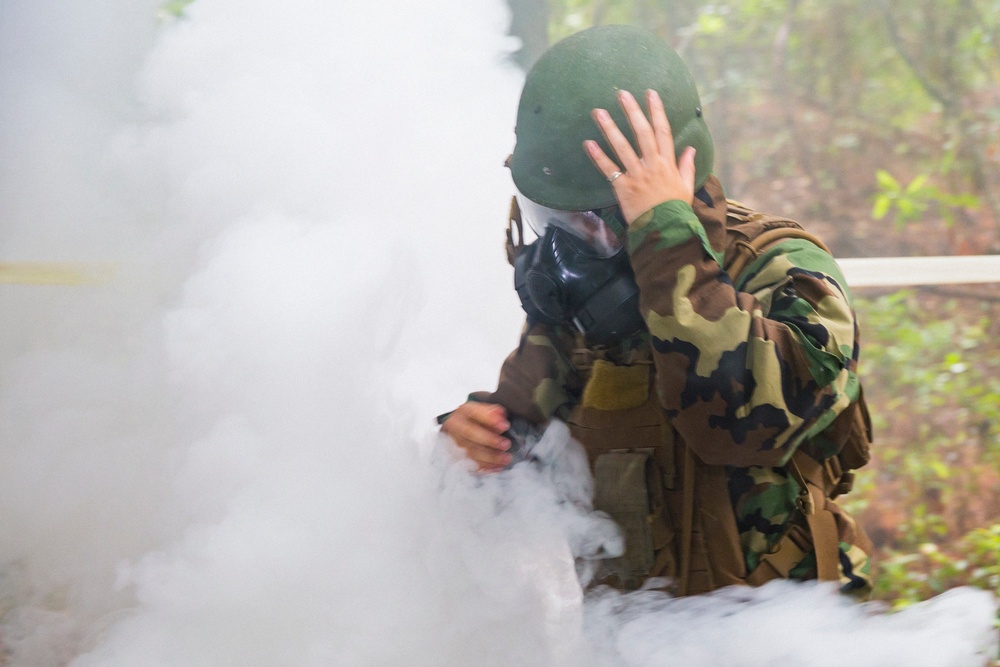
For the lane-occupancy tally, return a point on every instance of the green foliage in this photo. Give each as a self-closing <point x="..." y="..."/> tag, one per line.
<point x="911" y="201"/>
<point x="174" y="8"/>
<point x="908" y="577"/>
<point x="932" y="494"/>
<point x="925" y="360"/>
<point x="821" y="93"/>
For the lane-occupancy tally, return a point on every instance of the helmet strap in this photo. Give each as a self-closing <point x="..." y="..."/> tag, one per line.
<point x="514" y="222"/>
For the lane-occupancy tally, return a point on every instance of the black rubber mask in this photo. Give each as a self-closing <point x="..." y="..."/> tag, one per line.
<point x="562" y="280"/>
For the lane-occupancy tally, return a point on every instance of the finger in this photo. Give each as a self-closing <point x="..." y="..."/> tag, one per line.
<point x="621" y="146"/>
<point x="468" y="434"/>
<point x="489" y="415"/>
<point x="640" y="124"/>
<point x="685" y="165"/>
<point x="604" y="164"/>
<point x="661" y="124"/>
<point x="487" y="458"/>
<point x="478" y="424"/>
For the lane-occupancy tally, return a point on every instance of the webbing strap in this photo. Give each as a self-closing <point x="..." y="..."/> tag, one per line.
<point x="811" y="477"/>
<point x="823" y="537"/>
<point x="778" y="564"/>
<point x="826" y="542"/>
<point x="514" y="222"/>
<point x="747" y="251"/>
<point x="687" y="522"/>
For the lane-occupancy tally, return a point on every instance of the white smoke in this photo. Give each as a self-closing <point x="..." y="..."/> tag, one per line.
<point x="221" y="456"/>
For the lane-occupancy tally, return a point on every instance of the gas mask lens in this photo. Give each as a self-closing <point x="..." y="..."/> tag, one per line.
<point x="588" y="226"/>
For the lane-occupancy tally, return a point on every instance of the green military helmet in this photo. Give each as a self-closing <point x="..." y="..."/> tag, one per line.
<point x="584" y="72"/>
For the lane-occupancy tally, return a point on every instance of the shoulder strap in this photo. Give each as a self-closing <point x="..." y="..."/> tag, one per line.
<point x="819" y="535"/>
<point x="747" y="251"/>
<point x="752" y="233"/>
<point x="514" y="222"/>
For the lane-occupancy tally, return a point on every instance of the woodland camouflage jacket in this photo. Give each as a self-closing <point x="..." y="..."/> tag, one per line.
<point x="746" y="374"/>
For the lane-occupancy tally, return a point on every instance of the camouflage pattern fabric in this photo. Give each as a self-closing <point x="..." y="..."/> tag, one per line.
<point x="745" y="375"/>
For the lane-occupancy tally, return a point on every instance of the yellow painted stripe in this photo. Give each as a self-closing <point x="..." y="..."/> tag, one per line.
<point x="55" y="273"/>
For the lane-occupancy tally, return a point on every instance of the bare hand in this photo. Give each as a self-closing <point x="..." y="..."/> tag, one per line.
<point x="477" y="429"/>
<point x="652" y="177"/>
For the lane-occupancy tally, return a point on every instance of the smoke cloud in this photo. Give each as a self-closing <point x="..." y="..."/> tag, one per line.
<point x="224" y="454"/>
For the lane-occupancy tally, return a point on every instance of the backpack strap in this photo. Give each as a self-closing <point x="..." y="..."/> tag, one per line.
<point x="819" y="483"/>
<point x="779" y="563"/>
<point x="822" y="536"/>
<point x="687" y="523"/>
<point x="514" y="222"/>
<point x="812" y="477"/>
<point x="747" y="251"/>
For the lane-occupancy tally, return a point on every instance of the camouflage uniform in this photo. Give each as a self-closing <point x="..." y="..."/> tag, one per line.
<point x="744" y="376"/>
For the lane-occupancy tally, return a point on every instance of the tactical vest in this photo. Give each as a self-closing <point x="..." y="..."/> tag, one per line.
<point x="675" y="511"/>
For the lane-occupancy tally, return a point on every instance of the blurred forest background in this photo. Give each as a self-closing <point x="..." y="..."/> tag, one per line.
<point x="876" y="124"/>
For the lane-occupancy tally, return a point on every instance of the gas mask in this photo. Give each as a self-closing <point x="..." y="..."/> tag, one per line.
<point x="577" y="274"/>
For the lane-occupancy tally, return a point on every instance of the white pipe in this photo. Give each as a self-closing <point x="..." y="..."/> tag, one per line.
<point x="901" y="271"/>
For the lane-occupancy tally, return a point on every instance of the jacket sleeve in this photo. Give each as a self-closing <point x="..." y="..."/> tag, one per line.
<point x="745" y="376"/>
<point x="537" y="380"/>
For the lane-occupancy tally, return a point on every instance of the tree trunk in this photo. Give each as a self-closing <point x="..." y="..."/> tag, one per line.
<point x="529" y="21"/>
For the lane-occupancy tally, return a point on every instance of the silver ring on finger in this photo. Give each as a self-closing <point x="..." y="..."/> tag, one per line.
<point x="617" y="174"/>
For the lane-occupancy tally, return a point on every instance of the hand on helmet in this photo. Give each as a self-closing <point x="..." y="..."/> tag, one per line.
<point x="477" y="429"/>
<point x="652" y="177"/>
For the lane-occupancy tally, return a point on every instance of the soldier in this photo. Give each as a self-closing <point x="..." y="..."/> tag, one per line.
<point x="704" y="354"/>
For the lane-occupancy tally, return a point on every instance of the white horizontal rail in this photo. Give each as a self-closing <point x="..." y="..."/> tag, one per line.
<point x="859" y="271"/>
<point x="903" y="271"/>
